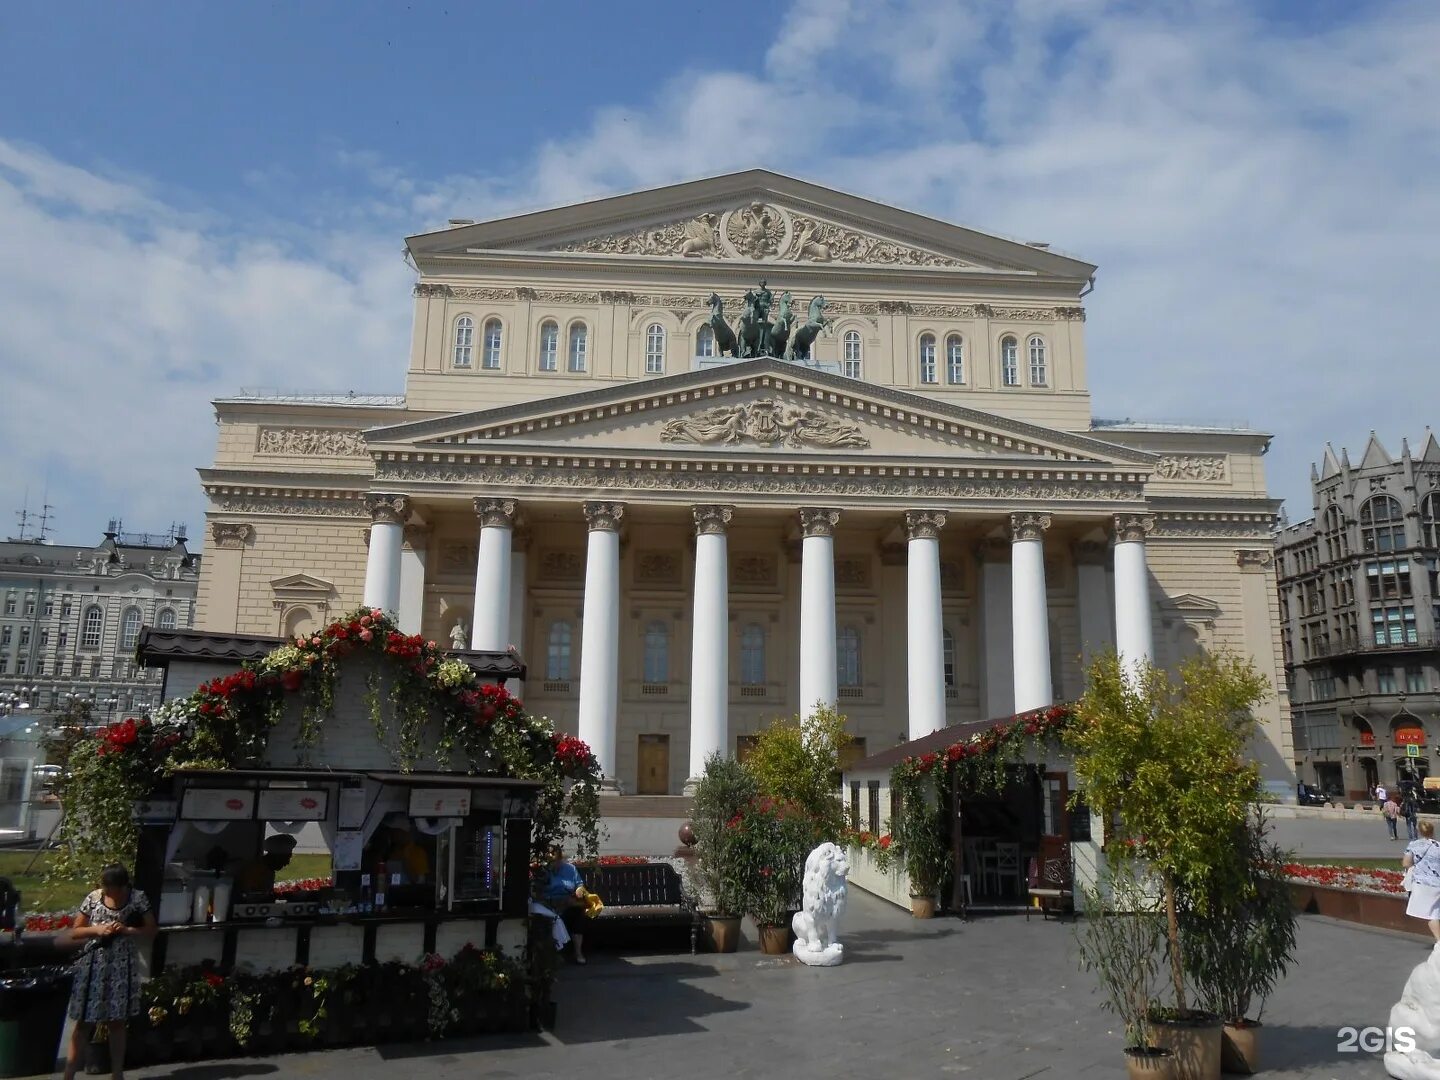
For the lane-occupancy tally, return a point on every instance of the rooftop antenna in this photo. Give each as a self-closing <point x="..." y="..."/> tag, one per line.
<point x="25" y="517"/>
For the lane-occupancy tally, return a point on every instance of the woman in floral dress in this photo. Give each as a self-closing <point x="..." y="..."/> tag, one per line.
<point x="107" y="971"/>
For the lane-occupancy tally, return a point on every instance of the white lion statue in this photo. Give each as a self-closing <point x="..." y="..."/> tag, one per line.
<point x="824" y="898"/>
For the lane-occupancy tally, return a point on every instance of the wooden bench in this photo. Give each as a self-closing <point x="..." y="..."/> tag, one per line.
<point x="644" y="904"/>
<point x="1052" y="883"/>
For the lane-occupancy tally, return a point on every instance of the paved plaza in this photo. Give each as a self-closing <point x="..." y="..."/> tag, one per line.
<point x="997" y="998"/>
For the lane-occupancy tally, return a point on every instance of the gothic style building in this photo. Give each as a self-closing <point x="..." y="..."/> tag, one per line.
<point x="907" y="511"/>
<point x="1360" y="611"/>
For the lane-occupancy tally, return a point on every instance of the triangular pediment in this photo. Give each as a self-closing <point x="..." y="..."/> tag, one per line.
<point x="751" y="217"/>
<point x="1191" y="605"/>
<point x="299" y="586"/>
<point x="761" y="409"/>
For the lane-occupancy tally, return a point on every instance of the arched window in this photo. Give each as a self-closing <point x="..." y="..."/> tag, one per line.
<point x="752" y="655"/>
<point x="166" y="620"/>
<point x="655" y="350"/>
<point x="949" y="655"/>
<point x="927" y="358"/>
<point x="557" y="655"/>
<point x="1009" y="362"/>
<point x="549" y="346"/>
<point x="705" y="341"/>
<point x="955" y="358"/>
<point x="1382" y="526"/>
<point x="464" y="340"/>
<point x="91" y="627"/>
<point x="847" y="656"/>
<point x="1430" y="519"/>
<point x="851" y="368"/>
<point x="491" y="357"/>
<point x="1038" y="374"/>
<point x="579" y="344"/>
<point x="657" y="653"/>
<point x="130" y="628"/>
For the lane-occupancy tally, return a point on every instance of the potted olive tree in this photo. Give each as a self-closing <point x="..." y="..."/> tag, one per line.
<point x="1120" y="939"/>
<point x="768" y="841"/>
<point x="1166" y="757"/>
<point x="1237" y="947"/>
<point x="725" y="788"/>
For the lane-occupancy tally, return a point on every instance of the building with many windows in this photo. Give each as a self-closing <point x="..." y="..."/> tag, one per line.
<point x="70" y="616"/>
<point x="895" y="500"/>
<point x="1360" y="612"/>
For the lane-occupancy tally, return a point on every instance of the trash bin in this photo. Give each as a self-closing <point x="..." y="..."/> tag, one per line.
<point x="32" y="1018"/>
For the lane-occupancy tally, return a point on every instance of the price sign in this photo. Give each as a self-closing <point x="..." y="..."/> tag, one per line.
<point x="217" y="804"/>
<point x="440" y="802"/>
<point x="292" y="804"/>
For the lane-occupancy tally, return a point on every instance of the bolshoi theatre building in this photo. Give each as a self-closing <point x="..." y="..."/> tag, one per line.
<point x="721" y="451"/>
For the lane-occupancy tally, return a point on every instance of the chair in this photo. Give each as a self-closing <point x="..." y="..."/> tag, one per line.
<point x="1052" y="885"/>
<point x="1003" y="866"/>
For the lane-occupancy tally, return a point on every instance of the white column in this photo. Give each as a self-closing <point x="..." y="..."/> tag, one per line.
<point x="600" y="634"/>
<point x="817" y="609"/>
<point x="518" y="603"/>
<point x="491" y="622"/>
<point x="1030" y="623"/>
<point x="1134" y="631"/>
<point x="388" y="514"/>
<point x="925" y="625"/>
<point x="412" y="580"/>
<point x="710" y="639"/>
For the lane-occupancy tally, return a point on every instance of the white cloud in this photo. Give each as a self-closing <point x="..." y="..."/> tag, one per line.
<point x="1257" y="196"/>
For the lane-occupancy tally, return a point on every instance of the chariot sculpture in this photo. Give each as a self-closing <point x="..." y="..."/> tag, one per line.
<point x="757" y="334"/>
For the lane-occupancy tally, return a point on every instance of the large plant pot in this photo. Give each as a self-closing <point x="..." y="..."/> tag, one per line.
<point x="774" y="940"/>
<point x="1151" y="1064"/>
<point x="922" y="907"/>
<point x="722" y="932"/>
<point x="1240" y="1047"/>
<point x="1195" y="1042"/>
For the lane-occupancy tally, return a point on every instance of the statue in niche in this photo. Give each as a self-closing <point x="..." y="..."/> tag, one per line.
<point x="459" y="636"/>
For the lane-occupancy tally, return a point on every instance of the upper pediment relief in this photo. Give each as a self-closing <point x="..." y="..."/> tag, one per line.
<point x="748" y="217"/>
<point x="764" y="232"/>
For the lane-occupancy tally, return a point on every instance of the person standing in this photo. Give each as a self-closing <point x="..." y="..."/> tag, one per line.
<point x="107" y="971"/>
<point x="1411" y="813"/>
<point x="1391" y="813"/>
<point x="1380" y="793"/>
<point x="1423" y="855"/>
<point x="563" y="892"/>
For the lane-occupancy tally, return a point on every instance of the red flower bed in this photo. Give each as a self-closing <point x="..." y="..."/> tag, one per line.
<point x="302" y="885"/>
<point x="49" y="922"/>
<point x="1357" y="878"/>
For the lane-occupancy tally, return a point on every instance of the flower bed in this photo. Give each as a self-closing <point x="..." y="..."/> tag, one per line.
<point x="194" y="1013"/>
<point x="49" y="922"/>
<point x="1357" y="878"/>
<point x="1364" y="895"/>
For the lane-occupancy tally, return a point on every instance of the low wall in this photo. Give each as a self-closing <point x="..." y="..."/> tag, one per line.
<point x="1366" y="909"/>
<point x="892" y="884"/>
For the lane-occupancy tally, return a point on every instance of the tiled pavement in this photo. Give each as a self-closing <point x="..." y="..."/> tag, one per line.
<point x="994" y="999"/>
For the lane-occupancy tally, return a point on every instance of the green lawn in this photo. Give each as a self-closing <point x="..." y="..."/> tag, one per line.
<point x="38" y="895"/>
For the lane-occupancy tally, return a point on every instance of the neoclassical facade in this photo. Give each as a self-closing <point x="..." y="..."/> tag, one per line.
<point x="920" y="522"/>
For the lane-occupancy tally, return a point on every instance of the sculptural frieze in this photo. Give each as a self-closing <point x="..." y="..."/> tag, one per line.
<point x="767" y="422"/>
<point x="1200" y="467"/>
<point x="311" y="442"/>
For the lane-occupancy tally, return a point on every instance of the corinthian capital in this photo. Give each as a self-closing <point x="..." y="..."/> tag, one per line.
<point x="495" y="513"/>
<point x="1133" y="527"/>
<point x="1028" y="526"/>
<point x="818" y="521"/>
<point x="604" y="516"/>
<point x="394" y="509"/>
<point x="712" y="520"/>
<point x="230" y="534"/>
<point x="924" y="524"/>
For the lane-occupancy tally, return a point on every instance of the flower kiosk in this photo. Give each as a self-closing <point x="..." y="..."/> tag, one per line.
<point x="416" y="770"/>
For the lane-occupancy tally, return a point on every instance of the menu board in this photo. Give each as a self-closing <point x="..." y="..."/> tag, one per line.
<point x="217" y="804"/>
<point x="293" y="804"/>
<point x="439" y="802"/>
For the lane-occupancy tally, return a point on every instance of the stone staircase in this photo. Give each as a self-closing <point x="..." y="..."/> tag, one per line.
<point x="645" y="806"/>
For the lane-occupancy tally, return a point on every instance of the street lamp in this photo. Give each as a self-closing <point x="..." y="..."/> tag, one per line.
<point x="110" y="704"/>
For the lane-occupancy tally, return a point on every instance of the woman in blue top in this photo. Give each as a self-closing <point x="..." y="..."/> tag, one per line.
<point x="1424" y="855"/>
<point x="562" y="894"/>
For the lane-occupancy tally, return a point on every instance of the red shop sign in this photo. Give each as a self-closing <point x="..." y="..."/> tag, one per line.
<point x="1367" y="738"/>
<point x="1410" y="736"/>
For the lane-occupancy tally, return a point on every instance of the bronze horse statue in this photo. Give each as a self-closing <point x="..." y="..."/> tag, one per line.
<point x="753" y="331"/>
<point x="801" y="340"/>
<point x="780" y="328"/>
<point x="724" y="337"/>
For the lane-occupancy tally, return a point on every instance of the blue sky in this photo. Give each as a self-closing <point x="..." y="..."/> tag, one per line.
<point x="200" y="197"/>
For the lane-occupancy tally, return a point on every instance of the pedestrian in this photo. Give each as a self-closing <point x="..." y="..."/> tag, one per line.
<point x="563" y="892"/>
<point x="107" y="971"/>
<point x="1392" y="817"/>
<point x="1423" y="857"/>
<point x="1380" y="793"/>
<point x="1411" y="813"/>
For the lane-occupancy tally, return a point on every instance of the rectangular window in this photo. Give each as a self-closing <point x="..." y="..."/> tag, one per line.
<point x="95" y="668"/>
<point x="855" y="804"/>
<point x="44" y="637"/>
<point x="873" y="791"/>
<point x="24" y="636"/>
<point x="1414" y="679"/>
<point x="29" y="606"/>
<point x="10" y="605"/>
<point x="1385" y="681"/>
<point x="49" y="607"/>
<point x="5" y="633"/>
<point x="40" y="665"/>
<point x="61" y="638"/>
<point x="65" y="608"/>
<point x="1393" y="625"/>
